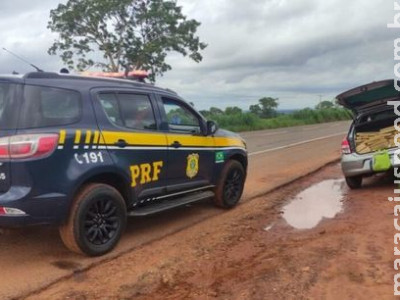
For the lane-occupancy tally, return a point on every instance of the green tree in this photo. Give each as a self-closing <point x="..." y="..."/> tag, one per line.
<point x="233" y="110"/>
<point x="130" y="34"/>
<point x="215" y="111"/>
<point x="266" y="108"/>
<point x="205" y="113"/>
<point x="324" y="105"/>
<point x="256" y="109"/>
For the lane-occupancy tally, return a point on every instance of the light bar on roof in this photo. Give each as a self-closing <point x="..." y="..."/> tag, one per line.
<point x="131" y="74"/>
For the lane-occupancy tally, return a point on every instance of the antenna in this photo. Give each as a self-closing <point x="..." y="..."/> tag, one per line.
<point x="24" y="60"/>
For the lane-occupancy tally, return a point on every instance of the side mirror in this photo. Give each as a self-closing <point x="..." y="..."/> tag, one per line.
<point x="212" y="127"/>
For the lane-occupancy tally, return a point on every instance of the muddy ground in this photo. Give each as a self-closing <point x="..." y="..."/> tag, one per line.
<point x="252" y="252"/>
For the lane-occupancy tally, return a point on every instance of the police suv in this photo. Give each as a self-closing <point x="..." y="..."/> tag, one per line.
<point x="83" y="153"/>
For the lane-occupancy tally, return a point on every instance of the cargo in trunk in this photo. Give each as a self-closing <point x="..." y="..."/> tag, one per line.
<point x="374" y="132"/>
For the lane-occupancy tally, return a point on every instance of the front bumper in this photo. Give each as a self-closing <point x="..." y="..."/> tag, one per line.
<point x="361" y="164"/>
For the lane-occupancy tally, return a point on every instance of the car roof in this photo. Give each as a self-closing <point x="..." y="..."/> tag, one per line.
<point x="82" y="83"/>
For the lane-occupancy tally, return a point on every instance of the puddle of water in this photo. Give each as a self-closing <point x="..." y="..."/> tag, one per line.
<point x="309" y="207"/>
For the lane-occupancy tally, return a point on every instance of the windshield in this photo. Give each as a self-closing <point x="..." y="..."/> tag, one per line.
<point x="8" y="106"/>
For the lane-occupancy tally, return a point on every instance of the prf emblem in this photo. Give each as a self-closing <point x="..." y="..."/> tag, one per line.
<point x="147" y="172"/>
<point x="192" y="167"/>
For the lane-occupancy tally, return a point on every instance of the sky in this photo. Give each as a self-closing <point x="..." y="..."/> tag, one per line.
<point x="299" y="51"/>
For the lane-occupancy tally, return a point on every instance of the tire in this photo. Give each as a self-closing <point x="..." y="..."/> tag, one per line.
<point x="96" y="220"/>
<point x="354" y="182"/>
<point x="230" y="185"/>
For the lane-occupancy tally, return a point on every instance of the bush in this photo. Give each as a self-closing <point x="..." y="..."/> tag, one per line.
<point x="246" y="121"/>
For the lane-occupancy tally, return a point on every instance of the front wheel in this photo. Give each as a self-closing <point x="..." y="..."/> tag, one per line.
<point x="96" y="221"/>
<point x="230" y="185"/>
<point x="354" y="182"/>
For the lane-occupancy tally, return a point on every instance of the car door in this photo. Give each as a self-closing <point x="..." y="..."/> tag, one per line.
<point x="191" y="154"/>
<point x="129" y="128"/>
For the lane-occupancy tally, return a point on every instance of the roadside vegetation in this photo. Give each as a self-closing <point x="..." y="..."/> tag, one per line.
<point x="264" y="116"/>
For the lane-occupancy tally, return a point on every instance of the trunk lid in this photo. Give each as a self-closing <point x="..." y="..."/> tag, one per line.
<point x="368" y="96"/>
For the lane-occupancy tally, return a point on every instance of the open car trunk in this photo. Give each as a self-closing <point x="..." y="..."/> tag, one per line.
<point x="370" y="95"/>
<point x="375" y="131"/>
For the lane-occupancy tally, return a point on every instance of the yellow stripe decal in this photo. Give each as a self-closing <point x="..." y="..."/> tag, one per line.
<point x="205" y="141"/>
<point x="101" y="140"/>
<point x="156" y="139"/>
<point x="61" y="140"/>
<point x="228" y="141"/>
<point x="96" y="138"/>
<point x="78" y="135"/>
<point x="153" y="139"/>
<point x="88" y="136"/>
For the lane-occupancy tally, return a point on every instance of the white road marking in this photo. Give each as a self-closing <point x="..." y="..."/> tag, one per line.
<point x="296" y="144"/>
<point x="264" y="134"/>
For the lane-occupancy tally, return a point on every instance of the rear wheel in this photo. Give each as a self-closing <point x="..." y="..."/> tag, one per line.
<point x="230" y="185"/>
<point x="354" y="182"/>
<point x="96" y="221"/>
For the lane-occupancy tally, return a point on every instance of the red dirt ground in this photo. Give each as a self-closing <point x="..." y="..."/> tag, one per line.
<point x="231" y="256"/>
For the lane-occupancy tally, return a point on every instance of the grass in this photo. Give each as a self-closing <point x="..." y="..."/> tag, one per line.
<point x="248" y="121"/>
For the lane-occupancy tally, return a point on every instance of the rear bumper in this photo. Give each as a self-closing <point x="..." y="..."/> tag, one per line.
<point x="42" y="209"/>
<point x="361" y="164"/>
<point x="18" y="221"/>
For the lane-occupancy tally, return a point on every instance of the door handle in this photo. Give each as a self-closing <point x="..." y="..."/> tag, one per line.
<point x="121" y="143"/>
<point x="176" y="144"/>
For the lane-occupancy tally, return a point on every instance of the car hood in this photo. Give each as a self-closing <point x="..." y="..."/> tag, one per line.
<point x="366" y="96"/>
<point x="226" y="133"/>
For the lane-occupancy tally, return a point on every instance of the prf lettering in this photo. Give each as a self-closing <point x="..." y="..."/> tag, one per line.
<point x="147" y="172"/>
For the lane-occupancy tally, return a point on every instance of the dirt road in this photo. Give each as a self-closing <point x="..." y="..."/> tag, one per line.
<point x="254" y="252"/>
<point x="34" y="258"/>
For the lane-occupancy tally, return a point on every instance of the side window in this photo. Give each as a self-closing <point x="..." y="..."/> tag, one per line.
<point x="109" y="102"/>
<point x="45" y="107"/>
<point x="179" y="118"/>
<point x="128" y="110"/>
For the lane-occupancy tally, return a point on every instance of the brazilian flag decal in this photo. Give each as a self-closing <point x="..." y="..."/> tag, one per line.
<point x="219" y="157"/>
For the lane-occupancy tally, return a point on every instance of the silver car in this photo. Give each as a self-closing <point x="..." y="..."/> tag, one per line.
<point x="371" y="114"/>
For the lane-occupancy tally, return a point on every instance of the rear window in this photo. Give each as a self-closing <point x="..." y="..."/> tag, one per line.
<point x="8" y="106"/>
<point x="47" y="107"/>
<point x="376" y="120"/>
<point x="382" y="115"/>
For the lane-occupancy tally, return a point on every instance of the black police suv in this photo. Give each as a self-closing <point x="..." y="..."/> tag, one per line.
<point x="84" y="153"/>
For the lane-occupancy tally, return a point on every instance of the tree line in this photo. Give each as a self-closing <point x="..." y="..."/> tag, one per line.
<point x="265" y="108"/>
<point x="264" y="115"/>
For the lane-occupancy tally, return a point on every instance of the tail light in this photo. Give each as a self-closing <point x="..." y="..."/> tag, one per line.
<point x="27" y="146"/>
<point x="346" y="146"/>
<point x="11" y="211"/>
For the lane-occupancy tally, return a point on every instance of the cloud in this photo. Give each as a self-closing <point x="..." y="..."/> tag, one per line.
<point x="24" y="31"/>
<point x="293" y="50"/>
